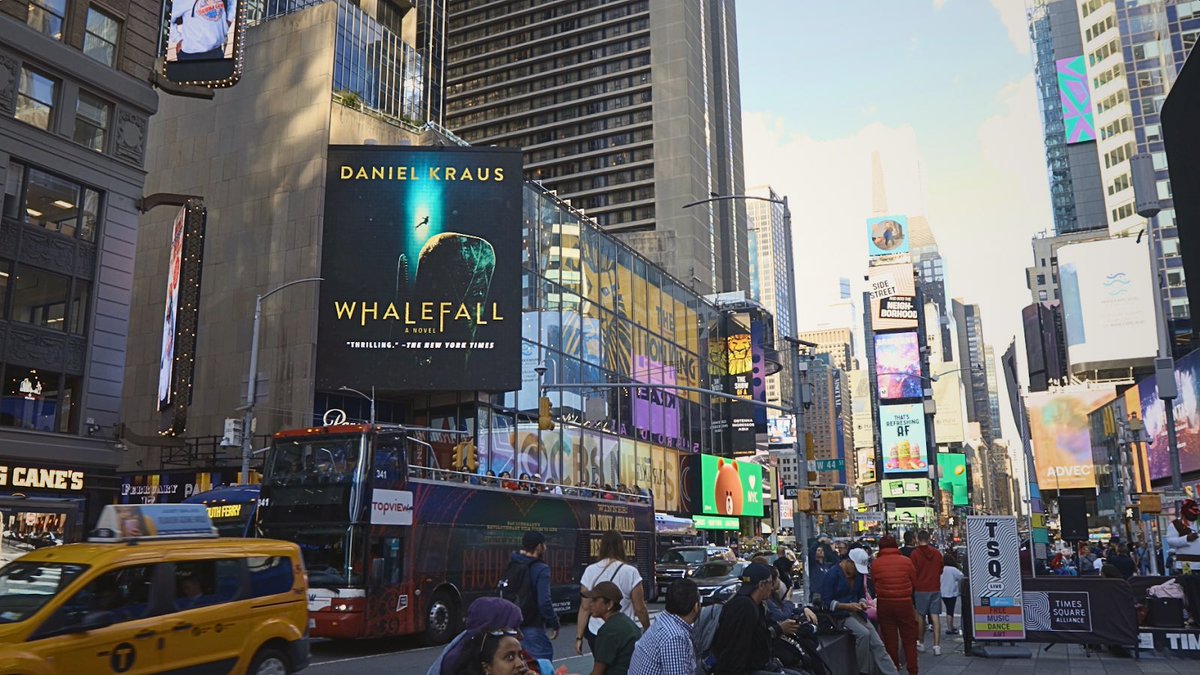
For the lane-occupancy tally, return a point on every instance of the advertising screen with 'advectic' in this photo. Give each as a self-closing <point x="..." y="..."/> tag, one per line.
<point x="421" y="262"/>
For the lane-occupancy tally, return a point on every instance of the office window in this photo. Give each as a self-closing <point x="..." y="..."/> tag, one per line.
<point x="1146" y="50"/>
<point x="53" y="202"/>
<point x="1164" y="189"/>
<point x="100" y="39"/>
<point x="40" y="298"/>
<point x="46" y="16"/>
<point x="35" y="98"/>
<point x="92" y="117"/>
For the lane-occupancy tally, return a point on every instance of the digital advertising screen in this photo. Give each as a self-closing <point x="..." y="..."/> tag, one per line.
<point x="1062" y="444"/>
<point x="894" y="488"/>
<point x="1108" y="301"/>
<point x="898" y="366"/>
<point x="1187" y="420"/>
<point x="1075" y="98"/>
<point x="902" y="433"/>
<point x="166" y="358"/>
<point x="421" y="261"/>
<point x="887" y="240"/>
<point x="204" y="42"/>
<point x="914" y="515"/>
<point x="893" y="294"/>
<point x="730" y="487"/>
<point x="952" y="466"/>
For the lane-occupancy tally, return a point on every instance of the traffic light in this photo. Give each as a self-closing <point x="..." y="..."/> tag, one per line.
<point x="471" y="457"/>
<point x="545" y="417"/>
<point x="456" y="462"/>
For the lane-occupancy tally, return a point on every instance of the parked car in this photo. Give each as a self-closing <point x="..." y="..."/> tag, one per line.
<point x="718" y="580"/>
<point x="678" y="562"/>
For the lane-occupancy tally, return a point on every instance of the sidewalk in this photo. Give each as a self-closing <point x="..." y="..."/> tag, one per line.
<point x="1059" y="660"/>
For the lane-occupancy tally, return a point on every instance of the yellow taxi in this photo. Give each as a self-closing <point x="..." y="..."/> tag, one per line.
<point x="154" y="590"/>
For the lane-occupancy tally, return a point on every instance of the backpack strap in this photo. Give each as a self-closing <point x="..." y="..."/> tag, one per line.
<point x="614" y="574"/>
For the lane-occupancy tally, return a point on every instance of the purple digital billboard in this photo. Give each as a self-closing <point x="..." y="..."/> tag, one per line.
<point x="1076" y="100"/>
<point x="1187" y="419"/>
<point x="655" y="410"/>
<point x="898" y="365"/>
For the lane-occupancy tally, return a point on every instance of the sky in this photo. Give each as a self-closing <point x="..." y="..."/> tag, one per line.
<point x="944" y="90"/>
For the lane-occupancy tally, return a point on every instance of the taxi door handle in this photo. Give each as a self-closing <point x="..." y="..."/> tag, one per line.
<point x="182" y="626"/>
<point x="142" y="635"/>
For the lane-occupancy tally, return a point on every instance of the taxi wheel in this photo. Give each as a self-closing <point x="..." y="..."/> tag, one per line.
<point x="443" y="619"/>
<point x="268" y="661"/>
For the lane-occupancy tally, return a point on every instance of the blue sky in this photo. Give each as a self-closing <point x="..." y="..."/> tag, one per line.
<point x="944" y="90"/>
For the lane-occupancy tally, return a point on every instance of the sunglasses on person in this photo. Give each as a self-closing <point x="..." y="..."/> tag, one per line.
<point x="497" y="634"/>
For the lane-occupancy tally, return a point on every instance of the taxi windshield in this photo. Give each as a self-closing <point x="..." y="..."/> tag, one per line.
<point x="26" y="587"/>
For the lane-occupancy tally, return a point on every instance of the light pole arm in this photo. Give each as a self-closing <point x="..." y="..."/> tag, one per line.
<point x="725" y="198"/>
<point x="275" y="290"/>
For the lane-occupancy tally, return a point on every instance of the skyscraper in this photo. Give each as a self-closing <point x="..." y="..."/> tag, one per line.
<point x="572" y="84"/>
<point x="772" y="282"/>
<point x="931" y="278"/>
<point x="1133" y="53"/>
<point x="972" y="355"/>
<point x="837" y="343"/>
<point x="1072" y="165"/>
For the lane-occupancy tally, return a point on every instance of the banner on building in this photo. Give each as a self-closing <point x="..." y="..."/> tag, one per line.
<point x="893" y="295"/>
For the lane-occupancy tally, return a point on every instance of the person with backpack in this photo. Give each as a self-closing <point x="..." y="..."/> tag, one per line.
<point x="613" y="567"/>
<point x="526" y="583"/>
<point x="742" y="643"/>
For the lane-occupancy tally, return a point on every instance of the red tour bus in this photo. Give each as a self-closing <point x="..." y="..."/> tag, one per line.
<point x="397" y="549"/>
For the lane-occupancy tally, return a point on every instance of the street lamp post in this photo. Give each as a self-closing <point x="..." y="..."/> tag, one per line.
<point x="370" y="398"/>
<point x="252" y="376"/>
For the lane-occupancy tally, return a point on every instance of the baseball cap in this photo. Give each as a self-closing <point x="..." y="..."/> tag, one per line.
<point x="861" y="560"/>
<point x="532" y="540"/>
<point x="756" y="573"/>
<point x="823" y="537"/>
<point x="888" y="541"/>
<point x="606" y="590"/>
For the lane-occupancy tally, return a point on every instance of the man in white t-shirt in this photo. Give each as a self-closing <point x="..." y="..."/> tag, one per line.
<point x="610" y="567"/>
<point x="202" y="27"/>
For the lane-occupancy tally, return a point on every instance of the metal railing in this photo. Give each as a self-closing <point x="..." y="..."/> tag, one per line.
<point x="529" y="485"/>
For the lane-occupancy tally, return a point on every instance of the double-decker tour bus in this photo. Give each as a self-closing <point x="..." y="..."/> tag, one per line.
<point x="395" y="545"/>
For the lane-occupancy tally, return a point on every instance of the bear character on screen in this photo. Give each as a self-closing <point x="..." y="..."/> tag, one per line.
<point x="728" y="490"/>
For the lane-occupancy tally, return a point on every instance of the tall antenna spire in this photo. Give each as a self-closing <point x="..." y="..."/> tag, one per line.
<point x="878" y="193"/>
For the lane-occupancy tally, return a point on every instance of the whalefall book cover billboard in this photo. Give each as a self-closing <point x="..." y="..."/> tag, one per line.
<point x="421" y="262"/>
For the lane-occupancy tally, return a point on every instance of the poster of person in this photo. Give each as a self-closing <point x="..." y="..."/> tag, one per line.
<point x="166" y="359"/>
<point x="202" y="30"/>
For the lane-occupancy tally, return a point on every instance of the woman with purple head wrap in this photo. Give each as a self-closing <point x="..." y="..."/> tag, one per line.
<point x="487" y="613"/>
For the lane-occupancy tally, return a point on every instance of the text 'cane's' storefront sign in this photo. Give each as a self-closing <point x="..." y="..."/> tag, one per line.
<point x="995" y="574"/>
<point x="37" y="478"/>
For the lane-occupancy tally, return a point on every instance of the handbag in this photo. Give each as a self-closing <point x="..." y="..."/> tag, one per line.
<point x="872" y="612"/>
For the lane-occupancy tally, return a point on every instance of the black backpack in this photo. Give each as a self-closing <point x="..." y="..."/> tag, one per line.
<point x="517" y="587"/>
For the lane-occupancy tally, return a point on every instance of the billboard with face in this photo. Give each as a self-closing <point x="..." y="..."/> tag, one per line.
<point x="1062" y="444"/>
<point x="204" y="41"/>
<point x="730" y="487"/>
<point x="902" y="433"/>
<point x="898" y="365"/>
<point x="887" y="240"/>
<point x="893" y="297"/>
<point x="421" y="260"/>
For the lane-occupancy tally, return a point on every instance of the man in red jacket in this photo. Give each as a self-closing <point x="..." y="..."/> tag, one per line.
<point x="928" y="590"/>
<point x="894" y="577"/>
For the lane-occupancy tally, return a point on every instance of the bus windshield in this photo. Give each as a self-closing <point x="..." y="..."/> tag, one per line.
<point x="314" y="461"/>
<point x="330" y="562"/>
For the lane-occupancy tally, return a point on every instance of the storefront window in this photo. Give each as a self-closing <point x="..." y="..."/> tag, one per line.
<point x="31" y="399"/>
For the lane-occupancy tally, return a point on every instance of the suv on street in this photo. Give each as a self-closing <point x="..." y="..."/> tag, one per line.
<point x="155" y="591"/>
<point x="680" y="561"/>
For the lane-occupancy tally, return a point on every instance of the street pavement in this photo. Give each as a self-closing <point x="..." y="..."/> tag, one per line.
<point x="409" y="656"/>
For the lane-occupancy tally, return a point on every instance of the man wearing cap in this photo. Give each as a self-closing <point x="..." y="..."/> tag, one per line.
<point x="1185" y="545"/>
<point x="742" y="643"/>
<point x="538" y="631"/>
<point x="618" y="635"/>
<point x="843" y="590"/>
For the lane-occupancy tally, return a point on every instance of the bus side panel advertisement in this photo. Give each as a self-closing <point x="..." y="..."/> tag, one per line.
<point x="468" y="535"/>
<point x="421" y="268"/>
<point x="391" y="507"/>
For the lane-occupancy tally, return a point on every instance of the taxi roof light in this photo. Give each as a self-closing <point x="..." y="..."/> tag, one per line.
<point x="131" y="523"/>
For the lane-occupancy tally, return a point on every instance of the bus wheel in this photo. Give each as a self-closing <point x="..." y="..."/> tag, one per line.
<point x="443" y="619"/>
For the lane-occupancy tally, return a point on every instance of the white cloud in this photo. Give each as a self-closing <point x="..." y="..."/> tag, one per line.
<point x="1012" y="15"/>
<point x="938" y="4"/>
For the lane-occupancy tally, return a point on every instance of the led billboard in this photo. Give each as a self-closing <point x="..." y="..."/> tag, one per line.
<point x="914" y="515"/>
<point x="1076" y="99"/>
<point x="898" y="365"/>
<point x="421" y="260"/>
<point x="887" y="240"/>
<point x="902" y="434"/>
<point x="893" y="297"/>
<point x="1062" y="445"/>
<point x="952" y="466"/>
<point x="204" y="42"/>
<point x="730" y="487"/>
<point x="895" y="488"/>
<point x="1187" y="420"/>
<point x="166" y="358"/>
<point x="947" y="395"/>
<point x="1108" y="304"/>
